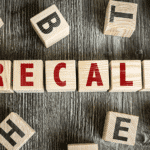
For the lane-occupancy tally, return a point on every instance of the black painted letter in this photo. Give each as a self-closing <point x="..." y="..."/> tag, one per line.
<point x="118" y="128"/>
<point x="49" y="21"/>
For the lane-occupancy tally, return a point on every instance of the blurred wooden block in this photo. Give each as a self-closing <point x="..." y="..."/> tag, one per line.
<point x="93" y="76"/>
<point x="125" y="76"/>
<point x="14" y="132"/>
<point x="28" y="76"/>
<point x="60" y="76"/>
<point x="5" y="76"/>
<point x="120" y="128"/>
<point x="120" y="19"/>
<point x="50" y="26"/>
<point x="1" y="23"/>
<point x="83" y="146"/>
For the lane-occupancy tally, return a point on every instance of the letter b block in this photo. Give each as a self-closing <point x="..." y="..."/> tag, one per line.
<point x="50" y="26"/>
<point x="120" y="19"/>
<point x="120" y="128"/>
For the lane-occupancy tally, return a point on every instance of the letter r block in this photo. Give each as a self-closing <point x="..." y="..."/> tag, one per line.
<point x="120" y="128"/>
<point x="50" y="26"/>
<point x="120" y="19"/>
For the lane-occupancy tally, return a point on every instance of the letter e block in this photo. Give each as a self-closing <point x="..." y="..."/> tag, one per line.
<point x="50" y="26"/>
<point x="28" y="76"/>
<point x="14" y="132"/>
<point x="89" y="146"/>
<point x="120" y="128"/>
<point x="1" y="23"/>
<point x="60" y="76"/>
<point x="120" y="19"/>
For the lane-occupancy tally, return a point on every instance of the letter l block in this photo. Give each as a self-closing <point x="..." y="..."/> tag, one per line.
<point x="50" y="26"/>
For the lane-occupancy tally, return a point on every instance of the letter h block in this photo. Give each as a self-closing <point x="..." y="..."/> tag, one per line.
<point x="120" y="128"/>
<point x="120" y="19"/>
<point x="50" y="26"/>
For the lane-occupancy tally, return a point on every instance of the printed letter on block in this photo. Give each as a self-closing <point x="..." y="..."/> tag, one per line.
<point x="89" y="146"/>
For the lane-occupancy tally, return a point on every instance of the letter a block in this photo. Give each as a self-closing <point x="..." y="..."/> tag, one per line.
<point x="1" y="23"/>
<point x="93" y="76"/>
<point x="60" y="76"/>
<point x="120" y="128"/>
<point x="28" y="76"/>
<point x="120" y="19"/>
<point x="125" y="76"/>
<point x="50" y="26"/>
<point x="14" y="132"/>
<point x="83" y="146"/>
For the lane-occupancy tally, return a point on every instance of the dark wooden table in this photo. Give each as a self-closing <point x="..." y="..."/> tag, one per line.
<point x="64" y="118"/>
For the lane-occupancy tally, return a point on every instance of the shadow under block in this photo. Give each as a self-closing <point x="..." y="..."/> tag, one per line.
<point x="120" y="128"/>
<point x="5" y="77"/>
<point x="60" y="76"/>
<point x="1" y="23"/>
<point x="93" y="76"/>
<point x="120" y="19"/>
<point x="28" y="76"/>
<point x="83" y="146"/>
<point x="125" y="76"/>
<point x="15" y="132"/>
<point x="50" y="26"/>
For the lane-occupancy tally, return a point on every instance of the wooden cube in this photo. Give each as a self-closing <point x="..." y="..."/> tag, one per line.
<point x="120" y="19"/>
<point x="120" y="128"/>
<point x="60" y="75"/>
<point x="5" y="76"/>
<point x="14" y="132"/>
<point x="50" y="26"/>
<point x="1" y="23"/>
<point x="89" y="146"/>
<point x="28" y="76"/>
<point x="125" y="76"/>
<point x="93" y="76"/>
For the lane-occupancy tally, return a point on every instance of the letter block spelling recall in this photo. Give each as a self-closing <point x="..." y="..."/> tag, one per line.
<point x="83" y="146"/>
<point x="93" y="76"/>
<point x="50" y="26"/>
<point x="14" y="132"/>
<point x="120" y="19"/>
<point x="125" y="76"/>
<point x="1" y="23"/>
<point x="28" y="76"/>
<point x="120" y="128"/>
<point x="60" y="76"/>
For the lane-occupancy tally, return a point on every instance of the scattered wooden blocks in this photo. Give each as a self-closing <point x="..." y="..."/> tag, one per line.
<point x="50" y="26"/>
<point x="60" y="76"/>
<point x="120" y="128"/>
<point x="28" y="76"/>
<point x="1" y="23"/>
<point x="14" y="132"/>
<point x="125" y="76"/>
<point x="120" y="19"/>
<point x="5" y="76"/>
<point x="93" y="76"/>
<point x="83" y="146"/>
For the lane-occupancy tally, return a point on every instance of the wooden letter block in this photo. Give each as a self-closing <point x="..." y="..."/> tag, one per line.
<point x="83" y="146"/>
<point x="120" y="19"/>
<point x="5" y="76"/>
<point x="125" y="76"/>
<point x="14" y="132"/>
<point x="50" y="26"/>
<point x="28" y="76"/>
<point x="60" y="76"/>
<point x="93" y="76"/>
<point x="120" y="128"/>
<point x="1" y="23"/>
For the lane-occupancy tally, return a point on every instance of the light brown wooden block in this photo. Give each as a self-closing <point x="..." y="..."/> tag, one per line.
<point x="127" y="79"/>
<point x="17" y="131"/>
<point x="28" y="76"/>
<point x="1" y="23"/>
<point x="60" y="76"/>
<point x="93" y="76"/>
<point x="5" y="76"/>
<point x="50" y="26"/>
<point x="83" y="146"/>
<point x="120" y="19"/>
<point x="120" y="128"/>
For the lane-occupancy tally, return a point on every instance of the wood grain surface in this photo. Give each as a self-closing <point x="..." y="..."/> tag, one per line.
<point x="66" y="118"/>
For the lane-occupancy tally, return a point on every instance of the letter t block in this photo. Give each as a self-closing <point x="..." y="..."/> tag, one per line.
<point x="120" y="128"/>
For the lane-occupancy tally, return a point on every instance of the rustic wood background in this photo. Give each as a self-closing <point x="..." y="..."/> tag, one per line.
<point x="64" y="118"/>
